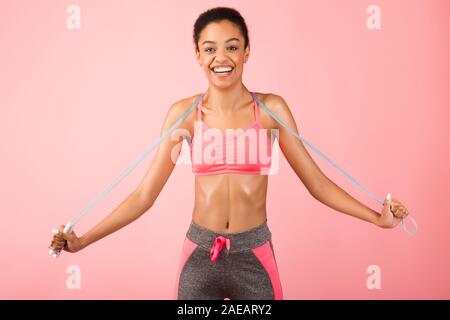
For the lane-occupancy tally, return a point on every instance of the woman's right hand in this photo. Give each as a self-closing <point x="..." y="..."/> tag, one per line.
<point x="67" y="241"/>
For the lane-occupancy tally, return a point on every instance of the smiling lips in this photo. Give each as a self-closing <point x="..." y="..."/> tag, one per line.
<point x="222" y="69"/>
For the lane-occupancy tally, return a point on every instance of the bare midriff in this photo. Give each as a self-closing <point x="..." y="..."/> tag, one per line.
<point x="230" y="202"/>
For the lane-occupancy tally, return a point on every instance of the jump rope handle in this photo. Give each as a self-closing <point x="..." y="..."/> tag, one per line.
<point x="56" y="252"/>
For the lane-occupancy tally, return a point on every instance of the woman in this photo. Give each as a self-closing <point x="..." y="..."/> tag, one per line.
<point x="228" y="251"/>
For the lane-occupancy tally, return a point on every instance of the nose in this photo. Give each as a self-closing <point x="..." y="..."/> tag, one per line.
<point x="221" y="56"/>
<point x="221" y="60"/>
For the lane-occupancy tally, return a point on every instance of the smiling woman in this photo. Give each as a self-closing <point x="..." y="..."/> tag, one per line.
<point x="228" y="250"/>
<point x="229" y="209"/>
<point x="222" y="45"/>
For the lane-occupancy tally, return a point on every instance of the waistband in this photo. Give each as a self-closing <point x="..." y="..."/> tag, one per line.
<point x="240" y="241"/>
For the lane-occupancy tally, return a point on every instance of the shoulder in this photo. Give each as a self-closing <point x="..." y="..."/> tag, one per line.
<point x="182" y="105"/>
<point x="179" y="107"/>
<point x="276" y="104"/>
<point x="272" y="101"/>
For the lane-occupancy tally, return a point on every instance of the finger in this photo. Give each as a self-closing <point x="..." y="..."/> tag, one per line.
<point x="398" y="213"/>
<point x="388" y="199"/>
<point x="55" y="246"/>
<point x="68" y="236"/>
<point x="398" y="210"/>
<point x="59" y="242"/>
<point x="396" y="202"/>
<point x="394" y="205"/>
<point x="401" y="213"/>
<point x="405" y="213"/>
<point x="387" y="205"/>
<point x="59" y="237"/>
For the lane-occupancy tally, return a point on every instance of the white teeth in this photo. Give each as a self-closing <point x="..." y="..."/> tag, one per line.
<point x="222" y="69"/>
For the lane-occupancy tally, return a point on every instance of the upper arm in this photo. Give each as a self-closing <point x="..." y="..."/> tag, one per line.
<point x="166" y="156"/>
<point x="293" y="148"/>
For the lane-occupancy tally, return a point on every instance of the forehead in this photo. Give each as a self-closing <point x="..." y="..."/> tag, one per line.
<point x="220" y="31"/>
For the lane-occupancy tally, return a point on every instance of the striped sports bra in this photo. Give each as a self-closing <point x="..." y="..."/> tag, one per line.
<point x="245" y="151"/>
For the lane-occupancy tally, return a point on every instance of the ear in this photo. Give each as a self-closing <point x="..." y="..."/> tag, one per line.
<point x="197" y="54"/>
<point x="247" y="54"/>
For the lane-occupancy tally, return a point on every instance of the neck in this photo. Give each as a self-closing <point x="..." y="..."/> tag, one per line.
<point x="225" y="101"/>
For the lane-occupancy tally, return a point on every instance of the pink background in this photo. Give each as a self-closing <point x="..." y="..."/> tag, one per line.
<point x="78" y="106"/>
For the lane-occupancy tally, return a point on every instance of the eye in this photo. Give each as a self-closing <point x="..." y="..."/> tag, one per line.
<point x="232" y="48"/>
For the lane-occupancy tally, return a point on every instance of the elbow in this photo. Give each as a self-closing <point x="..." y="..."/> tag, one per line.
<point x="146" y="201"/>
<point x="317" y="189"/>
<point x="315" y="192"/>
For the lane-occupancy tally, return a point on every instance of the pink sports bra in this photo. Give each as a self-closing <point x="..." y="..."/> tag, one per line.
<point x="239" y="150"/>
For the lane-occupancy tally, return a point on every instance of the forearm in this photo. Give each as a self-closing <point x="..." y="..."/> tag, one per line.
<point x="334" y="197"/>
<point x="126" y="212"/>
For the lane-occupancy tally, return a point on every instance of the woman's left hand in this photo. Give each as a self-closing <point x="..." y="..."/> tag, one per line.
<point x="393" y="212"/>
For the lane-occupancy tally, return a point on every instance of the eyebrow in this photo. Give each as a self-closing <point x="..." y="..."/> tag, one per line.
<point x="208" y="41"/>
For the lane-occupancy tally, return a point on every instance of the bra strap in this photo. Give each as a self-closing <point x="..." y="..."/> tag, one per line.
<point x="199" y="108"/>
<point x="256" y="107"/>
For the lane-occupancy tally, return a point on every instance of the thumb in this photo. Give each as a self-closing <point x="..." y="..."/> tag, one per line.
<point x="387" y="203"/>
<point x="66" y="236"/>
<point x="69" y="236"/>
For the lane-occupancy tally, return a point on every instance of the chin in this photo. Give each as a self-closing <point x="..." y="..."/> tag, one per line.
<point x="222" y="85"/>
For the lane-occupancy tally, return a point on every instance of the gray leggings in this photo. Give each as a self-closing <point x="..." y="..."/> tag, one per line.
<point x="228" y="265"/>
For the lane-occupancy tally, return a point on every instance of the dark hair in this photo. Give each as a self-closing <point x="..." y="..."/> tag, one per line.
<point x="218" y="14"/>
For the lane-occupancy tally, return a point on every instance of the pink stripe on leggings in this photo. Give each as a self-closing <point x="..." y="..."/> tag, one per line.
<point x="188" y="248"/>
<point x="265" y="255"/>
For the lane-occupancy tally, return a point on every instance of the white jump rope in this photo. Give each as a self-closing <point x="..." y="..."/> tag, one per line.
<point x="68" y="228"/>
